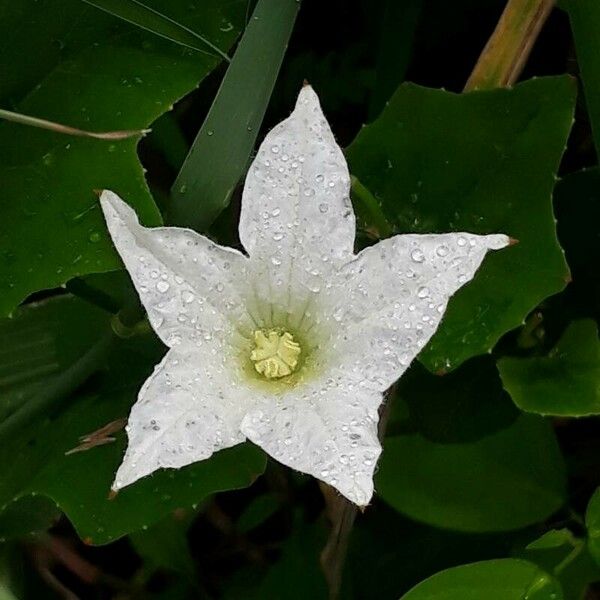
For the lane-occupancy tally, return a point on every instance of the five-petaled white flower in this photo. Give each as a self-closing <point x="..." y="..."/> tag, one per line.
<point x="292" y="345"/>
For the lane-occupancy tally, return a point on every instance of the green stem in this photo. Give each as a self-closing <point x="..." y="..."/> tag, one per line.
<point x="507" y="51"/>
<point x="369" y="210"/>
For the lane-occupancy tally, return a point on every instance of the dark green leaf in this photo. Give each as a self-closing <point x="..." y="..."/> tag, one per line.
<point x="483" y="162"/>
<point x="506" y="579"/>
<point x="40" y="343"/>
<point x="585" y="22"/>
<point x="149" y="19"/>
<point x="592" y="521"/>
<point x="463" y="406"/>
<point x="564" y="383"/>
<point x="555" y="538"/>
<point x="505" y="481"/>
<point x="398" y="27"/>
<point x="34" y="460"/>
<point x="223" y="146"/>
<point x="111" y="76"/>
<point x="27" y="515"/>
<point x="165" y="545"/>
<point x="577" y="202"/>
<point x="257" y="512"/>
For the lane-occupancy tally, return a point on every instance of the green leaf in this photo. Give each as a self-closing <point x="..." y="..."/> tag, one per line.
<point x="220" y="152"/>
<point x="592" y="522"/>
<point x="585" y="22"/>
<point x="564" y="383"/>
<point x="463" y="406"/>
<point x="33" y="461"/>
<point x="483" y="162"/>
<point x="555" y="538"/>
<point x="577" y="202"/>
<point x="398" y="27"/>
<point x="257" y="512"/>
<point x="165" y="545"/>
<point x="505" y="481"/>
<point x="104" y="75"/>
<point x="26" y="516"/>
<point x="149" y="19"/>
<point x="505" y="579"/>
<point x="40" y="343"/>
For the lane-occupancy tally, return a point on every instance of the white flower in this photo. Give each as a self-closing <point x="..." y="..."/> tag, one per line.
<point x="293" y="345"/>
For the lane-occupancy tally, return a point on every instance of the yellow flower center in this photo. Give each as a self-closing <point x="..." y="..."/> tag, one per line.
<point x="275" y="353"/>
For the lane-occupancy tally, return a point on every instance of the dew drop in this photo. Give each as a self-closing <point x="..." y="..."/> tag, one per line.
<point x="323" y="207"/>
<point x="162" y="286"/>
<point x="187" y="296"/>
<point x="417" y="255"/>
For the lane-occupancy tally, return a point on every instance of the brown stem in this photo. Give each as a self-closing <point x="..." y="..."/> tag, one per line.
<point x="507" y="51"/>
<point x="341" y="514"/>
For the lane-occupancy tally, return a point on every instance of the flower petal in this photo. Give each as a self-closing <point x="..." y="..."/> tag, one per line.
<point x="188" y="408"/>
<point x="328" y="430"/>
<point x="190" y="286"/>
<point x="297" y="222"/>
<point x="392" y="297"/>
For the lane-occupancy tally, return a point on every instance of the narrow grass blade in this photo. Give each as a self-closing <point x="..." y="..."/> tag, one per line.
<point x="151" y="20"/>
<point x="220" y="152"/>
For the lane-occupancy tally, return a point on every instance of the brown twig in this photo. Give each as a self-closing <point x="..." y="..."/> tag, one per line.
<point x="342" y="514"/>
<point x="22" y="119"/>
<point x="499" y="65"/>
<point x="507" y="51"/>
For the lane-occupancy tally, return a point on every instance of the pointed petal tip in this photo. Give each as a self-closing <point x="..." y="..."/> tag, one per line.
<point x="307" y="97"/>
<point x="113" y="493"/>
<point x="513" y="241"/>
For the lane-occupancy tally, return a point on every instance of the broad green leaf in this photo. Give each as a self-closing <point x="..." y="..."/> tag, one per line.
<point x="566" y="382"/>
<point x="592" y="522"/>
<point x="585" y="22"/>
<point x="382" y="539"/>
<point x="165" y="545"/>
<point x="483" y="162"/>
<point x="33" y="461"/>
<point x="463" y="406"/>
<point x="222" y="148"/>
<point x="116" y="76"/>
<point x="577" y="202"/>
<point x="505" y="481"/>
<point x="257" y="512"/>
<point x="27" y="516"/>
<point x="295" y="575"/>
<point x="43" y="341"/>
<point x="398" y="27"/>
<point x="152" y="20"/>
<point x="504" y="579"/>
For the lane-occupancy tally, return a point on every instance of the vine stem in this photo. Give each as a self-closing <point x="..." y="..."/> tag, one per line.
<point x="508" y="49"/>
<point x="499" y="65"/>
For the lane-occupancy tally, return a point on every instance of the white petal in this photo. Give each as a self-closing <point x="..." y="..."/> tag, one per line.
<point x="187" y="409"/>
<point x="297" y="222"/>
<point x="191" y="287"/>
<point x="391" y="299"/>
<point x="328" y="430"/>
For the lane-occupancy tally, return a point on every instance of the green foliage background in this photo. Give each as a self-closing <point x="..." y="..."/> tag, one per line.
<point x="487" y="487"/>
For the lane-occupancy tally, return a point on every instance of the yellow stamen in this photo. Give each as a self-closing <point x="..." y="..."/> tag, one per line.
<point x="275" y="353"/>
